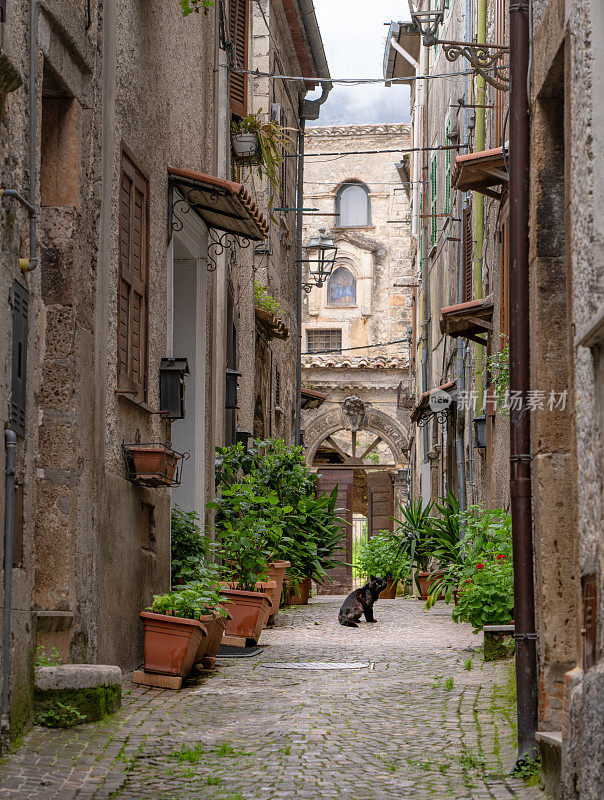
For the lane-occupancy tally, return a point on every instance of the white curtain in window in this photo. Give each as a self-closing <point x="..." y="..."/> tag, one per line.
<point x="353" y="206"/>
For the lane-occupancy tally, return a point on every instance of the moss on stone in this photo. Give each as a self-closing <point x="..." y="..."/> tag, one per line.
<point x="498" y="646"/>
<point x="94" y="703"/>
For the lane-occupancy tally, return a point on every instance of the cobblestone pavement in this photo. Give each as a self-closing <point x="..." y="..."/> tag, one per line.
<point x="417" y="722"/>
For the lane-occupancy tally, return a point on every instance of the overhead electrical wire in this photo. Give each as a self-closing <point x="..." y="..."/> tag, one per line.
<point x="360" y="347"/>
<point x="256" y="73"/>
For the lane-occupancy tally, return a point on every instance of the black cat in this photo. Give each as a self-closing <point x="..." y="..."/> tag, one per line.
<point x="361" y="602"/>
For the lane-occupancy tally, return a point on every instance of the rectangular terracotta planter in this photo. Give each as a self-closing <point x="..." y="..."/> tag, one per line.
<point x="171" y="643"/>
<point x="426" y="579"/>
<point x="389" y="593"/>
<point x="276" y="572"/>
<point x="301" y="595"/>
<point x="209" y="645"/>
<point x="249" y="612"/>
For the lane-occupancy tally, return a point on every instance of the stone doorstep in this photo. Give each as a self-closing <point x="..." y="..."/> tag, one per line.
<point x="77" y="676"/>
<point x="550" y="750"/>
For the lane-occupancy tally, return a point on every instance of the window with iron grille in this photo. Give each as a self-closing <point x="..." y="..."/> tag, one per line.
<point x="324" y="341"/>
<point x="468" y="253"/>
<point x="132" y="329"/>
<point x="433" y="201"/>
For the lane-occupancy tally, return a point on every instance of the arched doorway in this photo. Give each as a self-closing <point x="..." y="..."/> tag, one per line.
<point x="363" y="452"/>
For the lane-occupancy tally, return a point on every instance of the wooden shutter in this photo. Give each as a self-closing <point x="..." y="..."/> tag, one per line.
<point x="238" y="33"/>
<point x="468" y="252"/>
<point x="20" y="301"/>
<point x="380" y="502"/>
<point x="133" y="280"/>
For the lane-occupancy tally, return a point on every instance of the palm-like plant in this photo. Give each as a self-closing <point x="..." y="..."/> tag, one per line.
<point x="413" y="533"/>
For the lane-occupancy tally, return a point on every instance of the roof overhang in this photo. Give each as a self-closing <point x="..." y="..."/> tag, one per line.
<point x="422" y="410"/>
<point x="480" y="172"/>
<point x="468" y="320"/>
<point x="273" y="327"/>
<point x="223" y="205"/>
<point x="396" y="66"/>
<point x="312" y="399"/>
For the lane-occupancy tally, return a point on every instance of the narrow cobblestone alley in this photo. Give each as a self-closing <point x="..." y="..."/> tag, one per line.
<point x="417" y="722"/>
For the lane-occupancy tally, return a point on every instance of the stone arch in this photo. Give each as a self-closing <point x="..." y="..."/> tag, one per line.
<point x="386" y="427"/>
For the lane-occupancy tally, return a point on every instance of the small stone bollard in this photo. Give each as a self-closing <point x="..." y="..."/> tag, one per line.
<point x="498" y="642"/>
<point x="86" y="692"/>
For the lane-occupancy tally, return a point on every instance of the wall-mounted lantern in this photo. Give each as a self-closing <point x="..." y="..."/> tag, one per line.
<point x="231" y="388"/>
<point x="321" y="254"/>
<point x="480" y="431"/>
<point x="172" y="373"/>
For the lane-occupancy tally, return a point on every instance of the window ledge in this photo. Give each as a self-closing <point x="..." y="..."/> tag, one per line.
<point x="355" y="228"/>
<point x="138" y="403"/>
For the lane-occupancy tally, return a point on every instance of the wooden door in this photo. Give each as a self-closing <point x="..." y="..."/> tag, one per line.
<point x="341" y="576"/>
<point x="380" y="502"/>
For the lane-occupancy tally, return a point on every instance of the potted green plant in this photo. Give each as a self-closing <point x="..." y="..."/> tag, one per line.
<point x="414" y="540"/>
<point x="380" y="556"/>
<point x="262" y="144"/>
<point x="173" y="631"/>
<point x="487" y="596"/>
<point x="246" y="523"/>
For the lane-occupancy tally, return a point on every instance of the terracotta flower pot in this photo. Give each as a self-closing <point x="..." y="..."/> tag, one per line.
<point x="276" y="572"/>
<point x="171" y="643"/>
<point x="249" y="612"/>
<point x="426" y="579"/>
<point x="209" y="645"/>
<point x="389" y="593"/>
<point x="299" y="597"/>
<point x="153" y="460"/>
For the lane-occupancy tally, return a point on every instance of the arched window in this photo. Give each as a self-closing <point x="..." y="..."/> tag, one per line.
<point x="342" y="288"/>
<point x="353" y="206"/>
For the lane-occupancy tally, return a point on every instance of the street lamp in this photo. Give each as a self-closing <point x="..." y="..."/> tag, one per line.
<point x="484" y="58"/>
<point x="320" y="257"/>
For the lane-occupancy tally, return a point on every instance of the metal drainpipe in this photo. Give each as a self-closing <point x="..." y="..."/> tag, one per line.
<point x="32" y="263"/>
<point x="481" y="36"/>
<point x="299" y="206"/>
<point x="520" y="431"/>
<point x="10" y="443"/>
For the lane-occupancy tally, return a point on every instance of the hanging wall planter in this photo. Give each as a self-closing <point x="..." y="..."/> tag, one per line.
<point x="245" y="145"/>
<point x="153" y="464"/>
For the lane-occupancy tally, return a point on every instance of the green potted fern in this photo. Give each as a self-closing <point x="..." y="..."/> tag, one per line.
<point x="260" y="144"/>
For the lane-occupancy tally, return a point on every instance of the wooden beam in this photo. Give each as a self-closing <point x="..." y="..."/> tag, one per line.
<point x="336" y="447"/>
<point x="371" y="447"/>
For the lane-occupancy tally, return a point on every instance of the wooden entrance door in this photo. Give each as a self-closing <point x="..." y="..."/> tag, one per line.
<point x="341" y="576"/>
<point x="380" y="502"/>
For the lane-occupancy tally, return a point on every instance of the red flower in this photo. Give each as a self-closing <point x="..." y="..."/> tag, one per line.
<point x="479" y="566"/>
<point x="500" y="557"/>
<point x="468" y="580"/>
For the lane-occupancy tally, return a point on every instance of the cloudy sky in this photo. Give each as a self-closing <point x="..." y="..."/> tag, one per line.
<point x="354" y="35"/>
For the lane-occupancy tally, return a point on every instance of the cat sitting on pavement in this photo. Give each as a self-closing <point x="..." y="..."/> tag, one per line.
<point x="361" y="602"/>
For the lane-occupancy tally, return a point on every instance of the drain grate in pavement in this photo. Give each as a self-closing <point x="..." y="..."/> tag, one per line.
<point x="338" y="665"/>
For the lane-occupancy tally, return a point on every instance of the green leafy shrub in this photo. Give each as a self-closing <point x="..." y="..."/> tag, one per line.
<point x="189" y="547"/>
<point x="60" y="715"/>
<point x="487" y="596"/>
<point x="381" y="556"/>
<point x="192" y="601"/>
<point x="273" y="143"/>
<point x="268" y="507"/>
<point x="264" y="299"/>
<point x="44" y="659"/>
<point x="190" y="6"/>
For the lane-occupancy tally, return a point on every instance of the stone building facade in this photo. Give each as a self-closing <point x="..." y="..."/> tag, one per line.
<point x="462" y="267"/>
<point x="355" y="332"/>
<point x="133" y="282"/>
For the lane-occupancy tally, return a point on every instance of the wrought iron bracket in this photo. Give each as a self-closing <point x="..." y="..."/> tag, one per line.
<point x="482" y="57"/>
<point x="440" y="416"/>
<point x="218" y="241"/>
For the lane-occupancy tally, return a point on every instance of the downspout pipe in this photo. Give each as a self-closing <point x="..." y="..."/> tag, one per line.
<point x="299" y="206"/>
<point x="520" y="430"/>
<point x="10" y="444"/>
<point x="312" y="108"/>
<point x="33" y="130"/>
<point x="481" y="36"/>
